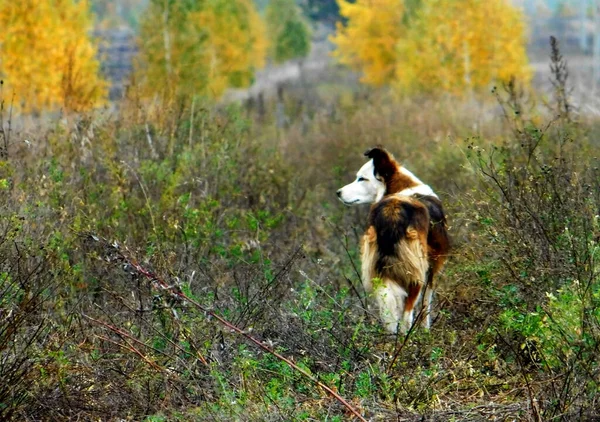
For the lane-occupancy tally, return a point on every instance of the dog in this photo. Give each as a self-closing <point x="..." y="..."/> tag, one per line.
<point x="406" y="243"/>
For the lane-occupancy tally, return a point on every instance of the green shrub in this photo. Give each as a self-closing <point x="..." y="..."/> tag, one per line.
<point x="541" y="221"/>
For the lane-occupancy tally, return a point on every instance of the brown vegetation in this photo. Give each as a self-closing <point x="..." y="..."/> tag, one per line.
<point x="240" y="216"/>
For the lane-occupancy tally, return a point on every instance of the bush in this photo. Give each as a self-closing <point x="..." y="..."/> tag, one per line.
<point x="541" y="221"/>
<point x="108" y="220"/>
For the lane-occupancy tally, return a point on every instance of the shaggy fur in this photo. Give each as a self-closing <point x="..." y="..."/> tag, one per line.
<point x="406" y="243"/>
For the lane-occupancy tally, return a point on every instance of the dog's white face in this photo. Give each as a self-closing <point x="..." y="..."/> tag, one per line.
<point x="366" y="189"/>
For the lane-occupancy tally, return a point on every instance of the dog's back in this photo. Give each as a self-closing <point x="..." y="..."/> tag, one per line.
<point x="401" y="227"/>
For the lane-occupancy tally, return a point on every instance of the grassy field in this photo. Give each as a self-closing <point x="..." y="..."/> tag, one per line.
<point x="125" y="238"/>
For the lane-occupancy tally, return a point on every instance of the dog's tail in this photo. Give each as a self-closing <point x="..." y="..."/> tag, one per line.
<point x="401" y="225"/>
<point x="438" y="239"/>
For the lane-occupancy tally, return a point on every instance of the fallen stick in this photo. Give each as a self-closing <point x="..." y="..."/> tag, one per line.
<point x="176" y="292"/>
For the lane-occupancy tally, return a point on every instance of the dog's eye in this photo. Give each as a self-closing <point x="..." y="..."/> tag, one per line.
<point x="361" y="179"/>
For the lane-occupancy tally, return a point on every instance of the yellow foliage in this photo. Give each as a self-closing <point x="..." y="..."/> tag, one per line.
<point x="433" y="45"/>
<point x="462" y="45"/>
<point x="47" y="56"/>
<point x="367" y="42"/>
<point x="200" y="49"/>
<point x="236" y="43"/>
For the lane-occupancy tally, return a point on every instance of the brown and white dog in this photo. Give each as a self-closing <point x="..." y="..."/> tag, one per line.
<point x="406" y="243"/>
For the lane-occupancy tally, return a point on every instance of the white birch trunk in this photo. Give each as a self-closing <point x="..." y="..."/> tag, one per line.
<point x="596" y="56"/>
<point x="467" y="65"/>
<point x="167" y="39"/>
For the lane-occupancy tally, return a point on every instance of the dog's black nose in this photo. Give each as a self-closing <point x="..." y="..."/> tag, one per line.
<point x="339" y="193"/>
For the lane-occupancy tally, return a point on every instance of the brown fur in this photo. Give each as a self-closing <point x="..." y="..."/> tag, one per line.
<point x="368" y="253"/>
<point x="413" y="294"/>
<point x="438" y="242"/>
<point x="401" y="254"/>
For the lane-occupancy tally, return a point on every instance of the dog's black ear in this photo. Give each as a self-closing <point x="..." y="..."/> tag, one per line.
<point x="375" y="152"/>
<point x="382" y="161"/>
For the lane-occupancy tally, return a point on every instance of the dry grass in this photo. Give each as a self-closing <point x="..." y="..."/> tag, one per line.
<point x="238" y="213"/>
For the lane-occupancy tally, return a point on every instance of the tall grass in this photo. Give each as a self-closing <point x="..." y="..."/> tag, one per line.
<point x="238" y="213"/>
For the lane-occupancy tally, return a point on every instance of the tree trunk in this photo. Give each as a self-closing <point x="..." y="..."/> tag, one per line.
<point x="167" y="39"/>
<point x="596" y="57"/>
<point x="467" y="65"/>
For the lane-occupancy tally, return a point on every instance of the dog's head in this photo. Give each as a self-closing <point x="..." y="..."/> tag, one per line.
<point x="370" y="184"/>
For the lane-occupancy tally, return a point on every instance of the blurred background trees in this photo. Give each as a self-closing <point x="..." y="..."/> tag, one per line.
<point x="206" y="47"/>
<point x="48" y="58"/>
<point x="209" y="175"/>
<point x="199" y="47"/>
<point x="288" y="31"/>
<point x="367" y="42"/>
<point x="110" y="13"/>
<point x="448" y="47"/>
<point x="433" y="45"/>
<point x="326" y="11"/>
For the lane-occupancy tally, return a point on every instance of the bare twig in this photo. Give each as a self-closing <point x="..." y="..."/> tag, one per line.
<point x="344" y="244"/>
<point x="134" y="350"/>
<point x="147" y="199"/>
<point x="160" y="284"/>
<point x="150" y="143"/>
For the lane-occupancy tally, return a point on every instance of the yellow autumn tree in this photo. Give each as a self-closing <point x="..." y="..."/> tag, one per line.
<point x="47" y="56"/>
<point x="235" y="45"/>
<point x="462" y="45"/>
<point x="367" y="42"/>
<point x="199" y="47"/>
<point x="433" y="45"/>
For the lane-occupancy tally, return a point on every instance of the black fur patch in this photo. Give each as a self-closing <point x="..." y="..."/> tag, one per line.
<point x="435" y="208"/>
<point x="437" y="238"/>
<point x="391" y="218"/>
<point x="383" y="163"/>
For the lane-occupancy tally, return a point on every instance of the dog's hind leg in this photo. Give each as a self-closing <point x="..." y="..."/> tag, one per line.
<point x="409" y="307"/>
<point x="427" y="299"/>
<point x="435" y="268"/>
<point x="390" y="300"/>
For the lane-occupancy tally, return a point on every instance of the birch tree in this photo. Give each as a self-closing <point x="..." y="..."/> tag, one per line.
<point x="433" y="45"/>
<point x="462" y="46"/>
<point x="367" y="41"/>
<point x="199" y="47"/>
<point x="288" y="31"/>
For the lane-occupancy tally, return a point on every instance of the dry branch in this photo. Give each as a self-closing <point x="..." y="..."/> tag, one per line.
<point x="161" y="285"/>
